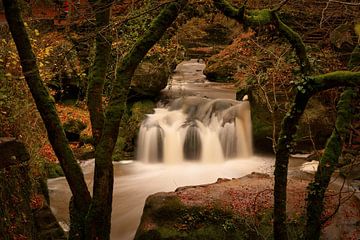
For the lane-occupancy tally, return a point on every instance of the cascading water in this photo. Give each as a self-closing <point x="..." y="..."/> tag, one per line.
<point x="195" y="128"/>
<point x="188" y="131"/>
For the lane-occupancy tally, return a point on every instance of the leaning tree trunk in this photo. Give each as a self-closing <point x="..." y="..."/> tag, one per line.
<point x="46" y="107"/>
<point x="99" y="217"/>
<point x="327" y="165"/>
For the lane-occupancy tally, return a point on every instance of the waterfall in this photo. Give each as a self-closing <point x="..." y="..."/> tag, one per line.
<point x="195" y="128"/>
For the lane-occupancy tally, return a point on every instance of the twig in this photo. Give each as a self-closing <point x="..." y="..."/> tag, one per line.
<point x="279" y="6"/>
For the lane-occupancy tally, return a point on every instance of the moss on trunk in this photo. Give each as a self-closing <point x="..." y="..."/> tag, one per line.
<point x="46" y="107"/>
<point x="261" y="17"/>
<point x="327" y="165"/>
<point x="305" y="89"/>
<point x="296" y="41"/>
<point x="99" y="68"/>
<point x="99" y="217"/>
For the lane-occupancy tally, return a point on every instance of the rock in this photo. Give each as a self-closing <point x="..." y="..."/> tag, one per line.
<point x="46" y="225"/>
<point x="129" y="128"/>
<point x="342" y="38"/>
<point x="53" y="170"/>
<point x="148" y="80"/>
<point x="12" y="152"/>
<point x="73" y="128"/>
<point x="217" y="34"/>
<point x="315" y="125"/>
<point x="220" y="71"/>
<point x="23" y="214"/>
<point x="237" y="209"/>
<point x="16" y="218"/>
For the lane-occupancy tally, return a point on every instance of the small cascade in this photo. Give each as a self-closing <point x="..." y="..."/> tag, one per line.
<point x="195" y="128"/>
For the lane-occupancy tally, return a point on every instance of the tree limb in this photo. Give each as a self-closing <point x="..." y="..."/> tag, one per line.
<point x="297" y="43"/>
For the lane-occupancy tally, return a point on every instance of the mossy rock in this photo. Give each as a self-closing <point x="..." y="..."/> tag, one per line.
<point x="148" y="80"/>
<point x="53" y="170"/>
<point x="73" y="128"/>
<point x="165" y="216"/>
<point x="314" y="128"/>
<point x="220" y="70"/>
<point x="342" y="38"/>
<point x="129" y="128"/>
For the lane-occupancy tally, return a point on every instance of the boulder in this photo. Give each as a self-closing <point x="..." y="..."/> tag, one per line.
<point x="220" y="70"/>
<point x="238" y="209"/>
<point x="23" y="214"/>
<point x="148" y="80"/>
<point x="129" y="128"/>
<point x="314" y="128"/>
<point x="341" y="38"/>
<point x="73" y="128"/>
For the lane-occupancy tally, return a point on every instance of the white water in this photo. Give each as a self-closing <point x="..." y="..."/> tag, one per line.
<point x="195" y="128"/>
<point x="216" y="133"/>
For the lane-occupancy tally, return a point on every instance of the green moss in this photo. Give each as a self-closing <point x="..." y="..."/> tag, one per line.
<point x="129" y="128"/>
<point x="74" y="126"/>
<point x="354" y="61"/>
<point x="258" y="17"/>
<point x="174" y="220"/>
<point x="53" y="170"/>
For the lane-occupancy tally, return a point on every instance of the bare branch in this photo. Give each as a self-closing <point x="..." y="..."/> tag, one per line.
<point x="280" y="6"/>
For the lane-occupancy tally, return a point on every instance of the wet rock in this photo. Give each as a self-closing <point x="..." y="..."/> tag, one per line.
<point x="314" y="128"/>
<point x="220" y="71"/>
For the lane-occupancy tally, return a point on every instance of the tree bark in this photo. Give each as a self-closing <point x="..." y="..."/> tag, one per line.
<point x="298" y="44"/>
<point x="99" y="217"/>
<point x="46" y="107"/>
<point x="305" y="89"/>
<point x="354" y="61"/>
<point x="99" y="68"/>
<point x="327" y="165"/>
<point x="265" y="17"/>
<point x="287" y="133"/>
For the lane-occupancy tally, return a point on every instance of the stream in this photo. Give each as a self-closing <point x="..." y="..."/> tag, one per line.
<point x="178" y="147"/>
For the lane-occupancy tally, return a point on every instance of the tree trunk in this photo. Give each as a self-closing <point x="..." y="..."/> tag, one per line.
<point x="99" y="217"/>
<point x="287" y="133"/>
<point x="307" y="88"/>
<point x="327" y="165"/>
<point x="46" y="107"/>
<point x="99" y="68"/>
